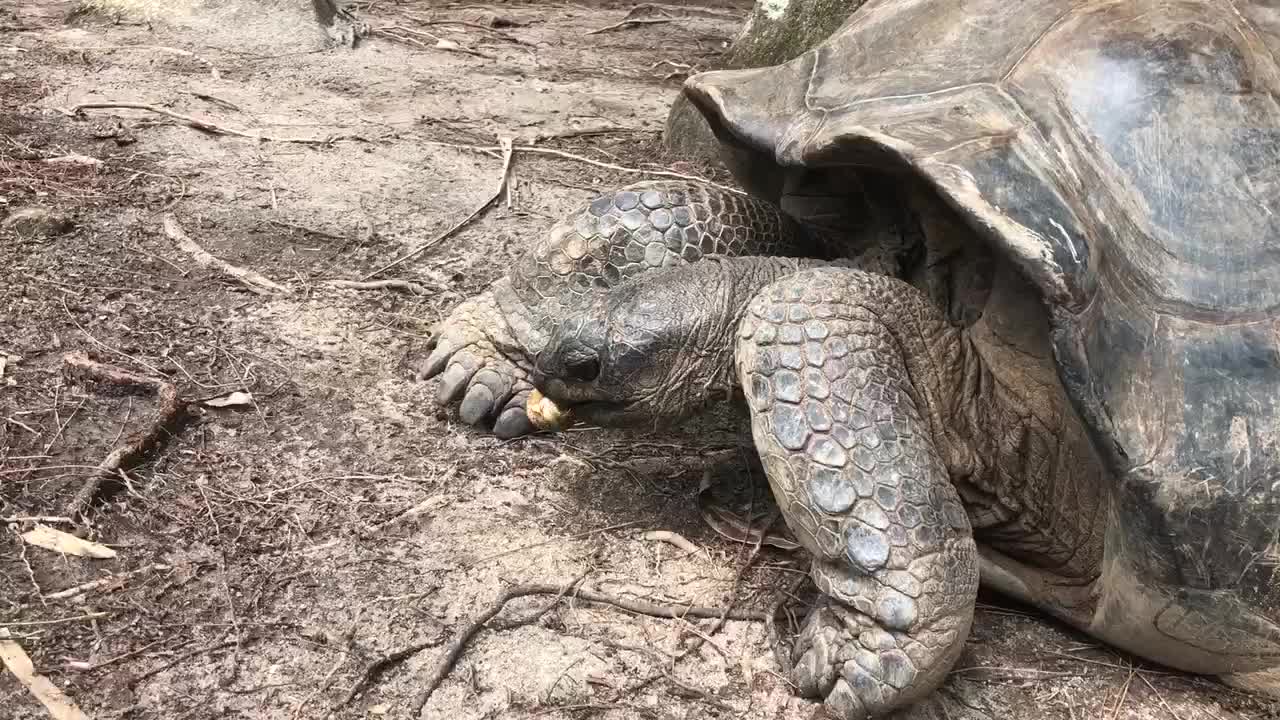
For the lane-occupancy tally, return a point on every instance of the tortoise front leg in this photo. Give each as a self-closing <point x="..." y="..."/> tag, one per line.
<point x="482" y="351"/>
<point x="837" y="366"/>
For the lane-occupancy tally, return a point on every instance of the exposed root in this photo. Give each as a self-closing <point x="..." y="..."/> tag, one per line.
<point x="375" y="669"/>
<point x="168" y="415"/>
<point x="250" y="279"/>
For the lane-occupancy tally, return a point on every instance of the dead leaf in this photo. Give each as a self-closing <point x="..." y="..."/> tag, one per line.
<point x="234" y="399"/>
<point x="58" y="541"/>
<point x="16" y="660"/>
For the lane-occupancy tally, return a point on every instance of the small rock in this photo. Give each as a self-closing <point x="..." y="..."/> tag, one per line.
<point x="37" y="222"/>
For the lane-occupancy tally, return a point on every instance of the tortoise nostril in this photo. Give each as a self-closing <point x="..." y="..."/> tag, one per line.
<point x="583" y="369"/>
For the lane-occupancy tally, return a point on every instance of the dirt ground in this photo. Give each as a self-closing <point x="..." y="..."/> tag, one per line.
<point x="285" y="558"/>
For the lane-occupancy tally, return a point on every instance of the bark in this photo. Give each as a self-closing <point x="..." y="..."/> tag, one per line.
<point x="339" y="22"/>
<point x="775" y="32"/>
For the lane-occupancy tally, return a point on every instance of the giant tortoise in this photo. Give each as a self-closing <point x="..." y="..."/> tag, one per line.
<point x="1003" y="302"/>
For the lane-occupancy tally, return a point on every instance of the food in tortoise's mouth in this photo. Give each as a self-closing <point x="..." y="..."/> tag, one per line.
<point x="551" y="415"/>
<point x="545" y="414"/>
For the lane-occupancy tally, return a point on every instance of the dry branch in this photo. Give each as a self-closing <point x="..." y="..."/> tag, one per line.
<point x="629" y="22"/>
<point x="205" y="125"/>
<point x="507" y="153"/>
<point x="463" y="23"/>
<point x="406" y="35"/>
<point x="95" y="584"/>
<point x="169" y="413"/>
<point x="408" y="286"/>
<point x="13" y="519"/>
<point x="250" y="279"/>
<point x="530" y="150"/>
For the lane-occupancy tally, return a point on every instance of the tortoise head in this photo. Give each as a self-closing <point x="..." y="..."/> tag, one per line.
<point x="654" y="350"/>
<point x="650" y="351"/>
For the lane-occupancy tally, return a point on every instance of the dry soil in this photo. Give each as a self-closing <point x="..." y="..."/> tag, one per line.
<point x="289" y="573"/>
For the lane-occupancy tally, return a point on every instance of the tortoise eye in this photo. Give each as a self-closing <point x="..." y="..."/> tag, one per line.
<point x="583" y="369"/>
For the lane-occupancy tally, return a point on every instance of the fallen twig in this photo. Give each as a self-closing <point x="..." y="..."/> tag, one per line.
<point x="56" y="621"/>
<point x="408" y="286"/>
<point x="215" y="100"/>
<point x="463" y="23"/>
<point x="404" y="35"/>
<point x="205" y="125"/>
<point x="642" y="607"/>
<point x="95" y="584"/>
<point x="628" y="22"/>
<point x="188" y="655"/>
<point x="169" y="413"/>
<point x="507" y="148"/>
<point x="250" y="279"/>
<point x="14" y="519"/>
<point x="529" y="149"/>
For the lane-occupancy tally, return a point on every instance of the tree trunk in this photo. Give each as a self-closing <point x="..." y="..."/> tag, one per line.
<point x="339" y="22"/>
<point x="775" y="32"/>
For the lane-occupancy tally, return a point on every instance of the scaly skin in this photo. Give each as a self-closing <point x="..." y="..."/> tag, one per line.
<point x="483" y="349"/>
<point x="826" y="358"/>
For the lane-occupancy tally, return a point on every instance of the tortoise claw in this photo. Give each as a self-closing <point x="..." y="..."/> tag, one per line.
<point x="437" y="360"/>
<point x="454" y="381"/>
<point x="514" y="421"/>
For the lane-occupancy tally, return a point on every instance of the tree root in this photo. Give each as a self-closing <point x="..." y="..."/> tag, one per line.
<point x="256" y="282"/>
<point x="168" y="416"/>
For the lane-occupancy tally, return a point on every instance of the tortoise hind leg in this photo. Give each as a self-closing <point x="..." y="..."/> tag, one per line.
<point x="840" y="429"/>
